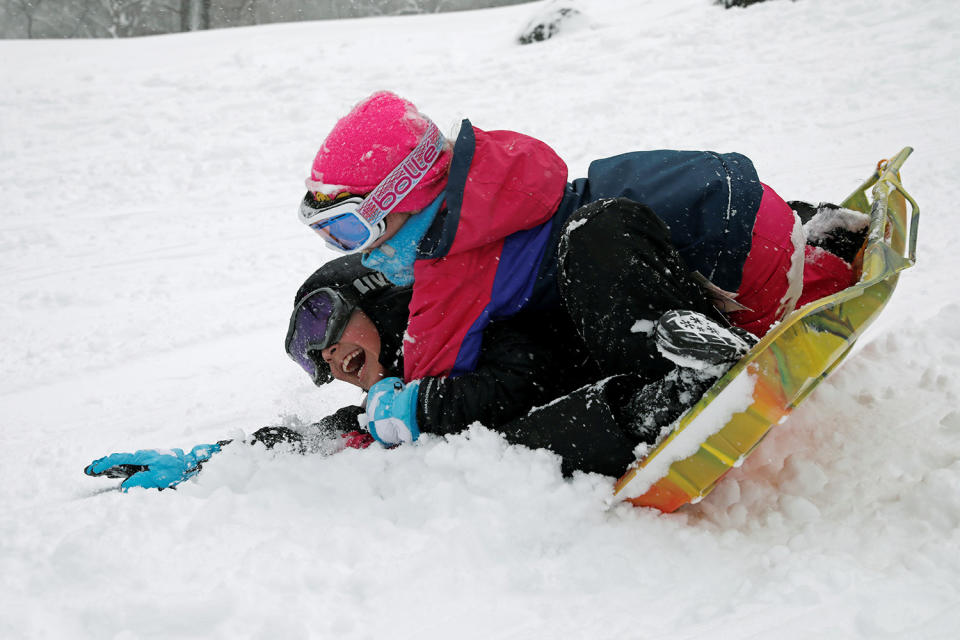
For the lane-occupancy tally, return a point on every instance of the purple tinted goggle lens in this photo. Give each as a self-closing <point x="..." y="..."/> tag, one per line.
<point x="316" y="323"/>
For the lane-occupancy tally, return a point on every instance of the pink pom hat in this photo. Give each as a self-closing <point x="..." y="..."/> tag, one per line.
<point x="368" y="143"/>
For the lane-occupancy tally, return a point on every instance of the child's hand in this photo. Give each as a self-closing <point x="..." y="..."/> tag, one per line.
<point x="392" y="411"/>
<point x="152" y="468"/>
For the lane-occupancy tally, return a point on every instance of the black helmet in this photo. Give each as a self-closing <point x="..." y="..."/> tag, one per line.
<point x="324" y="303"/>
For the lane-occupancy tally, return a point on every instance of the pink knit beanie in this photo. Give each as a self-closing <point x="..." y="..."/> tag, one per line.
<point x="366" y="145"/>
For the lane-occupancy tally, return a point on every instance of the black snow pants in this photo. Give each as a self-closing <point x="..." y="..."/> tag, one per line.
<point x="618" y="273"/>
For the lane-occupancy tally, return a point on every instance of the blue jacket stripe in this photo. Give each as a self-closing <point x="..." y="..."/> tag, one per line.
<point x="512" y="287"/>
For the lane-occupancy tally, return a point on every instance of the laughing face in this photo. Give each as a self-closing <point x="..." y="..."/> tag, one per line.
<point x="356" y="357"/>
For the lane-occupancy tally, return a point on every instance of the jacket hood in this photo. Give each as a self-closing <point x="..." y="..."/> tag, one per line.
<point x="507" y="181"/>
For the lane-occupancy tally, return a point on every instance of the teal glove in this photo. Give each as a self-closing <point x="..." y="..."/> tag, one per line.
<point x="392" y="411"/>
<point x="152" y="468"/>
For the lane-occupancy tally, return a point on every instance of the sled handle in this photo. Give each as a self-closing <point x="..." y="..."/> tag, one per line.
<point x="895" y="224"/>
<point x="914" y="217"/>
<point x="892" y="243"/>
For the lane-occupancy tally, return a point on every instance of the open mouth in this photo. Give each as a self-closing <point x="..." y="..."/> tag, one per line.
<point x="352" y="363"/>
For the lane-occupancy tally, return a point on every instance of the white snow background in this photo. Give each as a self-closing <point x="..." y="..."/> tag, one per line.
<point x="150" y="251"/>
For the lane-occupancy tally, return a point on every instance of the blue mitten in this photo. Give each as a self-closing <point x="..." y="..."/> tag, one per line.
<point x="392" y="411"/>
<point x="152" y="468"/>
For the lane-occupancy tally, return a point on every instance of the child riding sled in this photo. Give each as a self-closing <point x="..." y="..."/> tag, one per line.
<point x="488" y="227"/>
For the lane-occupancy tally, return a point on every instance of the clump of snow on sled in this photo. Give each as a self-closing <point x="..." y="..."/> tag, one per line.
<point x="828" y="221"/>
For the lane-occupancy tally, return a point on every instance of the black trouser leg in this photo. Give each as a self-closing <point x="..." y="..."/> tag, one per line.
<point x="585" y="428"/>
<point x="618" y="273"/>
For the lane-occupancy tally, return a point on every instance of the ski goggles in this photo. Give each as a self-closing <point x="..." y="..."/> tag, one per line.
<point x="350" y="223"/>
<point x="316" y="323"/>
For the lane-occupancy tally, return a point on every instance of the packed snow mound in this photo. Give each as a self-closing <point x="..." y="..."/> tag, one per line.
<point x="551" y="19"/>
<point x="149" y="257"/>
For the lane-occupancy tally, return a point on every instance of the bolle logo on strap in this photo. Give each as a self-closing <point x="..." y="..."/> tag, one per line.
<point x="404" y="177"/>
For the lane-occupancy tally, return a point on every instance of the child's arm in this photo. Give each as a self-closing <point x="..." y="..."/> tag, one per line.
<point x="166" y="468"/>
<point x="526" y="361"/>
<point x="523" y="364"/>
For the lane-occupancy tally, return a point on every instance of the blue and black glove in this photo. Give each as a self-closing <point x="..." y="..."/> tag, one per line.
<point x="392" y="411"/>
<point x="153" y="468"/>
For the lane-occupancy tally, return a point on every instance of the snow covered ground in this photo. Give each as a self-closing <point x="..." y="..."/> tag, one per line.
<point x="149" y="253"/>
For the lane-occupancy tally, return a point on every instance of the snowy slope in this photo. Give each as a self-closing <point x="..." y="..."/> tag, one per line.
<point x="149" y="253"/>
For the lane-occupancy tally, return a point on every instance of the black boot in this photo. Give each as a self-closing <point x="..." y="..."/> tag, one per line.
<point x="658" y="405"/>
<point x="703" y="351"/>
<point x="691" y="339"/>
